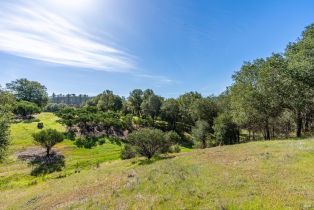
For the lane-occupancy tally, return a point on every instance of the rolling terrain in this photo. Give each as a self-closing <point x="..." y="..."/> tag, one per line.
<point x="256" y="175"/>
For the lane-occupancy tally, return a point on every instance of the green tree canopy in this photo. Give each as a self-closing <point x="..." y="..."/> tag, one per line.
<point x="31" y="91"/>
<point x="7" y="101"/>
<point x="26" y="109"/>
<point x="48" y="138"/>
<point x="135" y="100"/>
<point x="149" y="142"/>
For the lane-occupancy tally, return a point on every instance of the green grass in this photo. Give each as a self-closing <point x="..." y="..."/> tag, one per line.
<point x="256" y="175"/>
<point x="16" y="173"/>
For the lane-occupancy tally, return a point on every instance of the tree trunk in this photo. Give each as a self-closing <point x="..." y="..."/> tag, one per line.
<point x="48" y="151"/>
<point x="306" y="124"/>
<point x="204" y="144"/>
<point x="299" y="124"/>
<point x="267" y="132"/>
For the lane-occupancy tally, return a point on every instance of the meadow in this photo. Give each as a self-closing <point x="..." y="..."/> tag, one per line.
<point x="257" y="175"/>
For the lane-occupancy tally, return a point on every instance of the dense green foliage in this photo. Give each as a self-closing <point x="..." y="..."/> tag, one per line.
<point x="226" y="131"/>
<point x="31" y="91"/>
<point x="265" y="91"/>
<point x="149" y="142"/>
<point x="54" y="107"/>
<point x="25" y="109"/>
<point x="201" y="133"/>
<point x="128" y="152"/>
<point x="6" y="104"/>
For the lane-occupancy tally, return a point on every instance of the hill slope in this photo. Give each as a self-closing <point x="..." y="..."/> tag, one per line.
<point x="15" y="173"/>
<point x="267" y="175"/>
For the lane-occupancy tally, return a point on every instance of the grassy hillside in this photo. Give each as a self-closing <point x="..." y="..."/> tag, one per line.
<point x="16" y="173"/>
<point x="257" y="175"/>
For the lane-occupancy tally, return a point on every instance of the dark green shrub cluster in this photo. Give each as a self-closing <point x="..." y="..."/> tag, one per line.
<point x="148" y="142"/>
<point x="128" y="152"/>
<point x="86" y="142"/>
<point x="25" y="109"/>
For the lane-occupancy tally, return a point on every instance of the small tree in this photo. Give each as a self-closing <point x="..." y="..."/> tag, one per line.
<point x="226" y="131"/>
<point x="148" y="142"/>
<point x="26" y="109"/>
<point x="200" y="132"/>
<point x="48" y="138"/>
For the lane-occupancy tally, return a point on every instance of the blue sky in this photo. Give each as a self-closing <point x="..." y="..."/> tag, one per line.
<point x="171" y="46"/>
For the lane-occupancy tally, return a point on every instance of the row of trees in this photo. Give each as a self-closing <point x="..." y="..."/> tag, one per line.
<point x="276" y="94"/>
<point x="69" y="99"/>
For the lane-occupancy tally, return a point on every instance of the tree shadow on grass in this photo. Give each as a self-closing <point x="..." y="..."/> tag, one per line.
<point x="155" y="159"/>
<point x="47" y="164"/>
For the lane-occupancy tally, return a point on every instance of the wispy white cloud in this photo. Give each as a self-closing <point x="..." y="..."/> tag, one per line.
<point x="33" y="31"/>
<point x="161" y="79"/>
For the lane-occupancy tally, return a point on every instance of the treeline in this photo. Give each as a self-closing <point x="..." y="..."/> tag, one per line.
<point x="69" y="99"/>
<point x="275" y="95"/>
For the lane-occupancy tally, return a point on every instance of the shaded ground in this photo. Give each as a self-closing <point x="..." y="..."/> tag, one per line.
<point x="32" y="153"/>
<point x="40" y="163"/>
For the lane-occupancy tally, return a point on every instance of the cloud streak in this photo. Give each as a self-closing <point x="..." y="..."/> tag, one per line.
<point x="32" y="31"/>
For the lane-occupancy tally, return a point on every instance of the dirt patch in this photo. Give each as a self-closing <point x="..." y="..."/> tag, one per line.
<point x="31" y="154"/>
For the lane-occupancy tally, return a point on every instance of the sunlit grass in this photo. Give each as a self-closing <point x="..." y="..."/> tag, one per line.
<point x="16" y="173"/>
<point x="257" y="175"/>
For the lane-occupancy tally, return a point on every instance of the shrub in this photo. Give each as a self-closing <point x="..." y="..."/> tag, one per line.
<point x="128" y="152"/>
<point x="25" y="109"/>
<point x="71" y="135"/>
<point x="149" y="142"/>
<point x="101" y="141"/>
<point x="86" y="142"/>
<point x="162" y="125"/>
<point x="175" y="149"/>
<point x="40" y="125"/>
<point x="54" y="107"/>
<point x="172" y="137"/>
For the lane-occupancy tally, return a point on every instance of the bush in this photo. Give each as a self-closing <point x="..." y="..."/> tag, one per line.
<point x="40" y="125"/>
<point x="149" y="142"/>
<point x="162" y="125"/>
<point x="175" y="149"/>
<point x="71" y="135"/>
<point x="101" y="141"/>
<point x="54" y="107"/>
<point x="128" y="152"/>
<point x="86" y="142"/>
<point x="172" y="137"/>
<point x="25" y="109"/>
